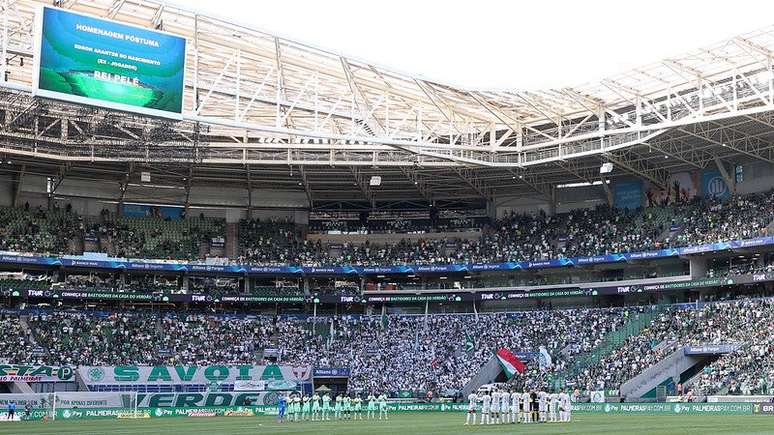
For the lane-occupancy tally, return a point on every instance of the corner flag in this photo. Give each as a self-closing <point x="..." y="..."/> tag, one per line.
<point x="509" y="362"/>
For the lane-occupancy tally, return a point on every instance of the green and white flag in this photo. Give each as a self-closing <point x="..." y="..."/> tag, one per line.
<point x="470" y="345"/>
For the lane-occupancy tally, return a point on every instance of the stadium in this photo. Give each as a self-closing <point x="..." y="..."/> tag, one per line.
<point x="203" y="219"/>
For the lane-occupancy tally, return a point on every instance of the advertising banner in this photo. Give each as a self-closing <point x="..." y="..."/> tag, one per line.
<point x="710" y="349"/>
<point x="90" y="60"/>
<point x="763" y="408"/>
<point x="249" y="411"/>
<point x="190" y="375"/>
<point x="664" y="408"/>
<point x="734" y="398"/>
<point x="35" y="373"/>
<point x="178" y="266"/>
<point x="97" y="295"/>
<point x="376" y="297"/>
<point x="116" y="413"/>
<point x="331" y="372"/>
<point x="714" y="186"/>
<point x="628" y="194"/>
<point x="93" y="400"/>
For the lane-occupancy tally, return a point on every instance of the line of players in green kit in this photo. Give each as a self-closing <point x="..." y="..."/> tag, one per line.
<point x="325" y="408"/>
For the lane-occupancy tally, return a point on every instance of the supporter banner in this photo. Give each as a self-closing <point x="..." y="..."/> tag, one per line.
<point x="628" y="194"/>
<point x="178" y="400"/>
<point x="35" y="373"/>
<point x="190" y="375"/>
<point x="710" y="349"/>
<point x="256" y="385"/>
<point x="681" y="187"/>
<point x="75" y="399"/>
<point x="714" y="186"/>
<point x="174" y="266"/>
<point x="89" y="60"/>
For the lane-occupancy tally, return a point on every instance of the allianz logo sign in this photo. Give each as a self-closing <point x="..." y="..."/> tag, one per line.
<point x="716" y="187"/>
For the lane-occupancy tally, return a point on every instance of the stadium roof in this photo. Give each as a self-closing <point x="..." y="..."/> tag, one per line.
<point x="267" y="103"/>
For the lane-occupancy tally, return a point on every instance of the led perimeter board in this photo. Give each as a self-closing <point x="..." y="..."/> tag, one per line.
<point x="90" y="60"/>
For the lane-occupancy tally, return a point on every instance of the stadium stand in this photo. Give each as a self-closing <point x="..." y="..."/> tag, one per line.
<point x="147" y="237"/>
<point x="38" y="230"/>
<point x="532" y="238"/>
<point x="719" y="323"/>
<point x="418" y="353"/>
<point x="329" y="213"/>
<point x="512" y="238"/>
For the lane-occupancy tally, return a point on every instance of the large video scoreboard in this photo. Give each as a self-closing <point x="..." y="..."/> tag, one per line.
<point x="90" y="60"/>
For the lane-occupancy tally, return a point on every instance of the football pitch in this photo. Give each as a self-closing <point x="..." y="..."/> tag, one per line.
<point x="407" y="423"/>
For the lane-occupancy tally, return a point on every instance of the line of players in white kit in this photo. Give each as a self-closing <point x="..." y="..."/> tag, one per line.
<point x="503" y="406"/>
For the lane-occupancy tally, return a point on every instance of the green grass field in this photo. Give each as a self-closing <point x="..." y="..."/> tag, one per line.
<point x="408" y="423"/>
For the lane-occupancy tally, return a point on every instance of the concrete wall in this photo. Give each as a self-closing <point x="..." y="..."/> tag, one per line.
<point x="521" y="205"/>
<point x="6" y="191"/>
<point x="758" y="177"/>
<point x="566" y="200"/>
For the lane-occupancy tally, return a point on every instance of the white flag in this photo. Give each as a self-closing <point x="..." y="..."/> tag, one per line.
<point x="545" y="359"/>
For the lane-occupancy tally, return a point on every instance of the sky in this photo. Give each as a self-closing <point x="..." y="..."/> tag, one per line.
<point x="490" y="44"/>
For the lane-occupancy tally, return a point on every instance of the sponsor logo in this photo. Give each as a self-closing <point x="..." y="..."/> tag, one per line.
<point x="200" y="413"/>
<point x="239" y="412"/>
<point x="763" y="408"/>
<point x="143" y="414"/>
<point x="716" y="187"/>
<point x="96" y="374"/>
